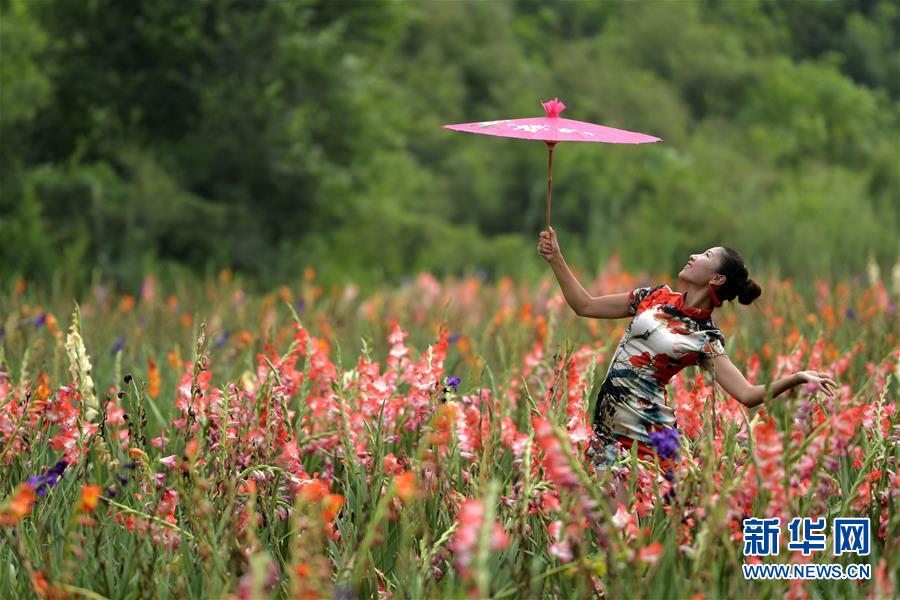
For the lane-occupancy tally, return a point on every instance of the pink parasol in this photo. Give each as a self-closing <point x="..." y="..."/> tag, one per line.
<point x="552" y="129"/>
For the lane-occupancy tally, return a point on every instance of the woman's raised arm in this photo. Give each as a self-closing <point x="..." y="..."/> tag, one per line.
<point x="611" y="306"/>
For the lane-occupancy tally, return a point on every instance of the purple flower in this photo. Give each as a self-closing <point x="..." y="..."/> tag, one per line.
<point x="220" y="341"/>
<point x="851" y="314"/>
<point x="48" y="480"/>
<point x="453" y="338"/>
<point x="59" y="467"/>
<point x="40" y="320"/>
<point x="670" y="494"/>
<point x="117" y="347"/>
<point x="665" y="442"/>
<point x="300" y="306"/>
<point x="452" y="382"/>
<point x="111" y="491"/>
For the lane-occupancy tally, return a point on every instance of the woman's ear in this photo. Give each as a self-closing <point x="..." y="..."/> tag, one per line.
<point x="718" y="279"/>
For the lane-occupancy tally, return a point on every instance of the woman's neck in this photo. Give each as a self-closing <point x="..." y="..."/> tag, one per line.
<point x="696" y="297"/>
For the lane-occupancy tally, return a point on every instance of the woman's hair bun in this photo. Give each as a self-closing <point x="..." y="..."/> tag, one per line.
<point x="750" y="292"/>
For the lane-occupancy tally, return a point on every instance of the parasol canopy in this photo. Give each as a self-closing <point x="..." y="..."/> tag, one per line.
<point x="552" y="129"/>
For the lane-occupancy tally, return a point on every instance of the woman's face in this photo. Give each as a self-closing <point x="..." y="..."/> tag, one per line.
<point x="701" y="268"/>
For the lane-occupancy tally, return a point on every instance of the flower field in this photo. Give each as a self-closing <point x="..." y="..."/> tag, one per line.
<point x="424" y="441"/>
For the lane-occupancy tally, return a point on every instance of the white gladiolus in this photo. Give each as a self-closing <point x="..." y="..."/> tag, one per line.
<point x="874" y="271"/>
<point x="80" y="368"/>
<point x="895" y="275"/>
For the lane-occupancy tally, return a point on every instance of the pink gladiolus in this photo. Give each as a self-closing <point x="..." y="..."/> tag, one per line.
<point x="650" y="554"/>
<point x="560" y="546"/>
<point x="556" y="465"/>
<point x="465" y="539"/>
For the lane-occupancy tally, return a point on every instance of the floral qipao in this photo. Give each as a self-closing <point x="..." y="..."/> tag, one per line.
<point x="663" y="337"/>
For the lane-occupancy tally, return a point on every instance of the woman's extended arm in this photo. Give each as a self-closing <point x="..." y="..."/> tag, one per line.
<point x="576" y="296"/>
<point x="732" y="381"/>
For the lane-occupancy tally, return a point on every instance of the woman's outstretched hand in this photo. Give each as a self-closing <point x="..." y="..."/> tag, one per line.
<point x="816" y="381"/>
<point x="548" y="246"/>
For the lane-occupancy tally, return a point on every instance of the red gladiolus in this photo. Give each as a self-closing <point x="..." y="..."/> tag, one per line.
<point x="768" y="455"/>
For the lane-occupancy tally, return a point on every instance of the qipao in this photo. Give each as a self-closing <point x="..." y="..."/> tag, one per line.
<point x="663" y="337"/>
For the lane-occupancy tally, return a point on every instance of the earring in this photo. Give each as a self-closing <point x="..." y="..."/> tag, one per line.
<point x="712" y="293"/>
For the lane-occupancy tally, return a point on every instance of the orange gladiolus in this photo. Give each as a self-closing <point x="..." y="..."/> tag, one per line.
<point x="154" y="379"/>
<point x="313" y="491"/>
<point x="40" y="584"/>
<point x="443" y="423"/>
<point x="542" y="327"/>
<point x="19" y="506"/>
<point x="525" y="313"/>
<point x="793" y="337"/>
<point x="52" y="325"/>
<point x="90" y="495"/>
<point x="191" y="447"/>
<point x="331" y="506"/>
<point x="406" y="486"/>
<point x="174" y="362"/>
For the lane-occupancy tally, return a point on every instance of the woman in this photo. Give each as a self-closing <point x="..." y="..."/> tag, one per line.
<point x="670" y="330"/>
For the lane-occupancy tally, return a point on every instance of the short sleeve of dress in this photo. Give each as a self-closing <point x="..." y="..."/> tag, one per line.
<point x="715" y="343"/>
<point x="637" y="295"/>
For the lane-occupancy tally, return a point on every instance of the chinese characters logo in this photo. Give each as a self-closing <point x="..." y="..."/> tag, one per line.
<point x="849" y="536"/>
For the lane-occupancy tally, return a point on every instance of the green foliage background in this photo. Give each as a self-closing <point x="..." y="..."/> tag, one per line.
<point x="268" y="137"/>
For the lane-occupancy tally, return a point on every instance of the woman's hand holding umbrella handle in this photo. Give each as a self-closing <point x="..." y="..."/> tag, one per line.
<point x="548" y="247"/>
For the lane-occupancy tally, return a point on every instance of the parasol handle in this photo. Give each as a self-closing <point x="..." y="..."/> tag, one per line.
<point x="550" y="146"/>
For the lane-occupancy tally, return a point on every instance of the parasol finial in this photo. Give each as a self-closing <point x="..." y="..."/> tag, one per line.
<point x="553" y="108"/>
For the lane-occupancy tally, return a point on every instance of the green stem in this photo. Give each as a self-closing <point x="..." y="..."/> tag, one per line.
<point x="129" y="510"/>
<point x="81" y="591"/>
